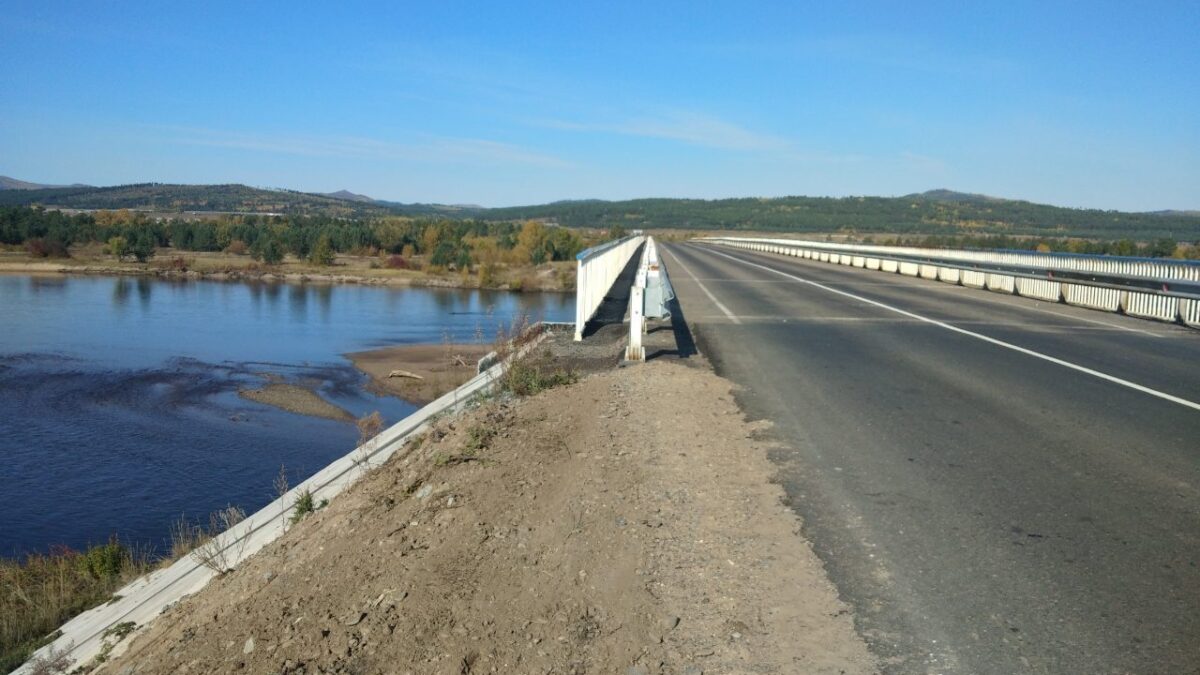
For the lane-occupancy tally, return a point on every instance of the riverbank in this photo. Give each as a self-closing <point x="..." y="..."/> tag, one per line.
<point x="626" y="523"/>
<point x="419" y="373"/>
<point x="554" y="277"/>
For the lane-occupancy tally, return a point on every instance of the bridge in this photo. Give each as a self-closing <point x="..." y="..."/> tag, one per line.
<point x="997" y="477"/>
<point x="996" y="483"/>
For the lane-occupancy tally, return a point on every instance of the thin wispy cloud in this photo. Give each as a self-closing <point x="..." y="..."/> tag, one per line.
<point x="685" y="127"/>
<point x="430" y="149"/>
<point x="878" y="50"/>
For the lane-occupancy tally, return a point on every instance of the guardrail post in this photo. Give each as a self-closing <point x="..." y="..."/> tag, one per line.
<point x="637" y="325"/>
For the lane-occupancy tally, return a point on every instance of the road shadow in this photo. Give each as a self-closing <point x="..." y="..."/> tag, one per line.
<point x="612" y="308"/>
<point x="685" y="344"/>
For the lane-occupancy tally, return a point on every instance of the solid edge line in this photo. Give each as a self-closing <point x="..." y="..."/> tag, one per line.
<point x="979" y="336"/>
<point x="707" y="292"/>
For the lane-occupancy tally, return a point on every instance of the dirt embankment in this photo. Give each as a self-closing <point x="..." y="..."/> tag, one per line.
<point x="623" y="524"/>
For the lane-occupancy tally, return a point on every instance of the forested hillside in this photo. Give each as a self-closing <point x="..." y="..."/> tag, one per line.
<point x="224" y="198"/>
<point x="924" y="214"/>
<point x="937" y="212"/>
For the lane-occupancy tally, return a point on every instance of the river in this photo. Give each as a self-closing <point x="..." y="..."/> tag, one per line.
<point x="119" y="410"/>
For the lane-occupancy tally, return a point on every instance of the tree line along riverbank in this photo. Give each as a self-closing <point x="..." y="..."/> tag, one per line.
<point x="512" y="255"/>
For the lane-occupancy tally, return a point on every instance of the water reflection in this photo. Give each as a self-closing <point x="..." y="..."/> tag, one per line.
<point x="324" y="294"/>
<point x="272" y="291"/>
<point x="145" y="288"/>
<point x="298" y="302"/>
<point x="120" y="292"/>
<point x="54" y="284"/>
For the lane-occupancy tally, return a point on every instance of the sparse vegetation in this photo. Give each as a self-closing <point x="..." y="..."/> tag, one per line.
<point x="42" y="591"/>
<point x="54" y="662"/>
<point x="214" y="553"/>
<point x="304" y="505"/>
<point x="478" y="439"/>
<point x="526" y="378"/>
<point x="369" y="427"/>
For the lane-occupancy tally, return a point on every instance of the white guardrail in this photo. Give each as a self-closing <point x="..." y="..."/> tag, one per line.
<point x="143" y="599"/>
<point x="1166" y="290"/>
<point x="648" y="297"/>
<point x="597" y="268"/>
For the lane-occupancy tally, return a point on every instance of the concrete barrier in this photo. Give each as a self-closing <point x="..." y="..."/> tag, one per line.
<point x="595" y="271"/>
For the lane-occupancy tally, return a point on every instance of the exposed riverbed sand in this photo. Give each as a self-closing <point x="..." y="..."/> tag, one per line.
<point x="441" y="368"/>
<point x="623" y="524"/>
<point x="297" y="399"/>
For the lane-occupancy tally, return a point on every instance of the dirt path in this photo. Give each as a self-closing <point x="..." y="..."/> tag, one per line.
<point x="623" y="524"/>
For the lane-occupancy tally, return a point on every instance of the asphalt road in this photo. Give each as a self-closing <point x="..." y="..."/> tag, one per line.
<point x="995" y="484"/>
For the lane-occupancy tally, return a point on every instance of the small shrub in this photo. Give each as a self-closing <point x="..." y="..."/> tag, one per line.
<point x="322" y="254"/>
<point x="397" y="262"/>
<point x="104" y="562"/>
<point x="118" y="247"/>
<point x="54" y="662"/>
<point x="479" y="438"/>
<point x="120" y="630"/>
<point x="237" y="247"/>
<point x="46" y="248"/>
<point x="303" y="506"/>
<point x="526" y="379"/>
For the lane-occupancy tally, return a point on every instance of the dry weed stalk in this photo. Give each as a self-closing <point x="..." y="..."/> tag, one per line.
<point x="215" y="554"/>
<point x="369" y="427"/>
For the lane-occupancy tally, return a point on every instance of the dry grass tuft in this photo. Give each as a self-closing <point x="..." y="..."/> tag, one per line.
<point x="40" y="592"/>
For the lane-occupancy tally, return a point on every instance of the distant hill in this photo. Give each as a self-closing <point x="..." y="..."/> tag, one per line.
<point x="347" y="195"/>
<point x="7" y="183"/>
<point x="936" y="212"/>
<point x="232" y="198"/>
<point x="943" y="195"/>
<point x="940" y="212"/>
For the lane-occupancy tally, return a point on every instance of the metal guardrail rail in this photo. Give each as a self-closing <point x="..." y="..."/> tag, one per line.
<point x="1141" y="287"/>
<point x="649" y="296"/>
<point x="596" y="270"/>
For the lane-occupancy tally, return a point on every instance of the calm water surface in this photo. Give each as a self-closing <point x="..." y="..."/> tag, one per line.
<point x="118" y="397"/>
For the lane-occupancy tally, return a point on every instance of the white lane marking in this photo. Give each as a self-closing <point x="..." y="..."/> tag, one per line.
<point x="979" y="336"/>
<point x="743" y="281"/>
<point x="712" y="297"/>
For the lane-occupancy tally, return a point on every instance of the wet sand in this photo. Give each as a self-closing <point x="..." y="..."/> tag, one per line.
<point x="296" y="399"/>
<point x="442" y="368"/>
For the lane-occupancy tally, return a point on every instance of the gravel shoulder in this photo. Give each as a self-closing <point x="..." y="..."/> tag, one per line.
<point x="626" y="523"/>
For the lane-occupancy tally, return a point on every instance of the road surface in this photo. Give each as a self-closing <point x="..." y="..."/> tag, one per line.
<point x="996" y="484"/>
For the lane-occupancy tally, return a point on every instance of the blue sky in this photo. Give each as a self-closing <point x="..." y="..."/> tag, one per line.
<point x="1089" y="104"/>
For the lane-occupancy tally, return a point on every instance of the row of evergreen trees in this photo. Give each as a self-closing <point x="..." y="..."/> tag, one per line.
<point x="444" y="242"/>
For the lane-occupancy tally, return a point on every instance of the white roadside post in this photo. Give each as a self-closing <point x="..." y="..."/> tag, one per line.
<point x="637" y="303"/>
<point x="637" y="325"/>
